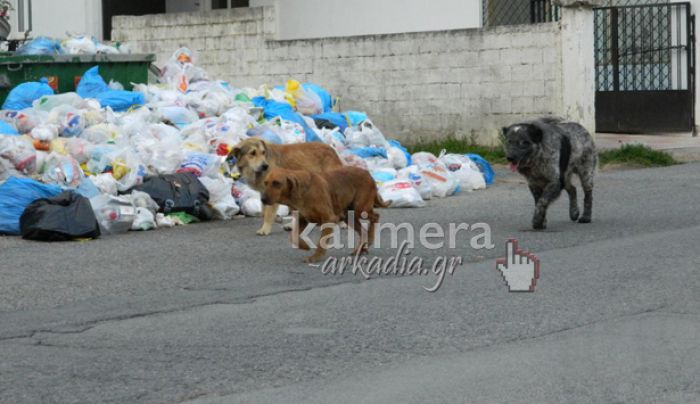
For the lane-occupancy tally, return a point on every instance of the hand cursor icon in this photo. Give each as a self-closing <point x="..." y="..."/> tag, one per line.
<point x="519" y="268"/>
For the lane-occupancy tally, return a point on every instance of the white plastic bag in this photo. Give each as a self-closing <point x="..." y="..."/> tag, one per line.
<point x="248" y="199"/>
<point x="365" y="135"/>
<point x="80" y="45"/>
<point x="220" y="198"/>
<point x="412" y="173"/>
<point x="397" y="157"/>
<point x="424" y="158"/>
<point x="401" y="194"/>
<point x="105" y="183"/>
<point x="144" y="220"/>
<point x="442" y="182"/>
<point x="464" y="170"/>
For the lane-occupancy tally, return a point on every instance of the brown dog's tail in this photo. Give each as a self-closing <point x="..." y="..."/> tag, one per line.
<point x="380" y="203"/>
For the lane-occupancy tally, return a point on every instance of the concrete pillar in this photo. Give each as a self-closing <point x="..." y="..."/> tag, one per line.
<point x="578" y="60"/>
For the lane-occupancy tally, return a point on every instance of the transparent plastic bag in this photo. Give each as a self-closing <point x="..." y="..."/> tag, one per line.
<point x="62" y="170"/>
<point x="114" y="214"/>
<point x="20" y="152"/>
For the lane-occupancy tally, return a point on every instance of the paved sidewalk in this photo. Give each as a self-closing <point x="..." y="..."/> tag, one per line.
<point x="683" y="146"/>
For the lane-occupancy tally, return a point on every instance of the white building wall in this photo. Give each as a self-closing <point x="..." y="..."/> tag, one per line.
<point x="466" y="83"/>
<point x="301" y="19"/>
<point x="56" y="17"/>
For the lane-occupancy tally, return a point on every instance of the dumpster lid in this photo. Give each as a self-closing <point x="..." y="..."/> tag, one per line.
<point x="97" y="58"/>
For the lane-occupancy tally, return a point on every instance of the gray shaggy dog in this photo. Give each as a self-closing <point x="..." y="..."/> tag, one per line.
<point x="548" y="152"/>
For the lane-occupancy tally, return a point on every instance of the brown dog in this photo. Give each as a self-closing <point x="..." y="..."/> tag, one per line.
<point x="325" y="199"/>
<point x="254" y="157"/>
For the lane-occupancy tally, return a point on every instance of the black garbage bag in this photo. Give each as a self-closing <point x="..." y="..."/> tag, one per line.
<point x="324" y="123"/>
<point x="178" y="193"/>
<point x="67" y="216"/>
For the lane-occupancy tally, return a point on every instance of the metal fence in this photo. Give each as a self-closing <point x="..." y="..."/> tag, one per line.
<point x="642" y="48"/>
<point x="513" y="12"/>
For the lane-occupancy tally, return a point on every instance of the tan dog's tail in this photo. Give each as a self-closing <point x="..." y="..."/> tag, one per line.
<point x="380" y="203"/>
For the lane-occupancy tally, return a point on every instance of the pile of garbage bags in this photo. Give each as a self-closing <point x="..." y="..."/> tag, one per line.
<point x="158" y="156"/>
<point x="73" y="45"/>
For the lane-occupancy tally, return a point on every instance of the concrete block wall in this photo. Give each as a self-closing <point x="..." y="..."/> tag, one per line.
<point x="466" y="83"/>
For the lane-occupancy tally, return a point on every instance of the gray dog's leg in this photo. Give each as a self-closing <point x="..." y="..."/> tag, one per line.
<point x="587" y="183"/>
<point x="549" y="194"/>
<point x="573" y="202"/>
<point x="536" y="192"/>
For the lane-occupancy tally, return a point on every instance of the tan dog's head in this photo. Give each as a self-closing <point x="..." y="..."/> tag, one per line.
<point x="251" y="157"/>
<point x="279" y="185"/>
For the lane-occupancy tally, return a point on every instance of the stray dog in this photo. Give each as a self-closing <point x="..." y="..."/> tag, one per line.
<point x="254" y="157"/>
<point x="325" y="199"/>
<point x="548" y="151"/>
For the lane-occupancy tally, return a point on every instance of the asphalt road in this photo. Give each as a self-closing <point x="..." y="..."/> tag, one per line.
<point x="211" y="313"/>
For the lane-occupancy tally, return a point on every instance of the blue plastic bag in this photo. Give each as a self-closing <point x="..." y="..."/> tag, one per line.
<point x="92" y="84"/>
<point x="336" y="118"/>
<point x="273" y="109"/>
<point x="265" y="134"/>
<point x="396" y="144"/>
<point x="366" y="152"/>
<point x="484" y="167"/>
<point x="15" y="195"/>
<point x="120" y="100"/>
<point x="23" y="95"/>
<point x="41" y="46"/>
<point x="326" y="99"/>
<point x="7" y="129"/>
<point x="355" y="118"/>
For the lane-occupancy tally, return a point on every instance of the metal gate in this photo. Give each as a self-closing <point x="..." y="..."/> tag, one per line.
<point x="645" y="68"/>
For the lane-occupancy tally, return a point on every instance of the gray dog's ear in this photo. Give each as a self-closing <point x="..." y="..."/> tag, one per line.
<point x="504" y="130"/>
<point x="535" y="134"/>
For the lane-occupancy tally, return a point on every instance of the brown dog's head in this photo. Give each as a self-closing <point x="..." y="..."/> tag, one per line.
<point x="279" y="185"/>
<point x="251" y="158"/>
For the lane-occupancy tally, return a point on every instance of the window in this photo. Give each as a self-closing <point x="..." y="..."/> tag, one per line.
<point x="221" y="4"/>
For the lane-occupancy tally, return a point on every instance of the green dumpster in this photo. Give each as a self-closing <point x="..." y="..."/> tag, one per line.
<point x="64" y="71"/>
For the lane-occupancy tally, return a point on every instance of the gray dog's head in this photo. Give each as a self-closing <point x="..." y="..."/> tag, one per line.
<point x="521" y="142"/>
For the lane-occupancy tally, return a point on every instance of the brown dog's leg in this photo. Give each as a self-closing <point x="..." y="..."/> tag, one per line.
<point x="269" y="213"/>
<point x="295" y="237"/>
<point x="361" y="243"/>
<point x="326" y="232"/>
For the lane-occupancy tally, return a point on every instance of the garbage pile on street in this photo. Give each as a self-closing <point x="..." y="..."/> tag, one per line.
<point x="158" y="156"/>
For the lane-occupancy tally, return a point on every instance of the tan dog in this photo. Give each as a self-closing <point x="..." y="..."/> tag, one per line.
<point x="254" y="157"/>
<point x="326" y="198"/>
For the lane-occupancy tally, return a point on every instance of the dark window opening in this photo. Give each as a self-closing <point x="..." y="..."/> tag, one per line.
<point x="110" y="8"/>
<point x="221" y="4"/>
